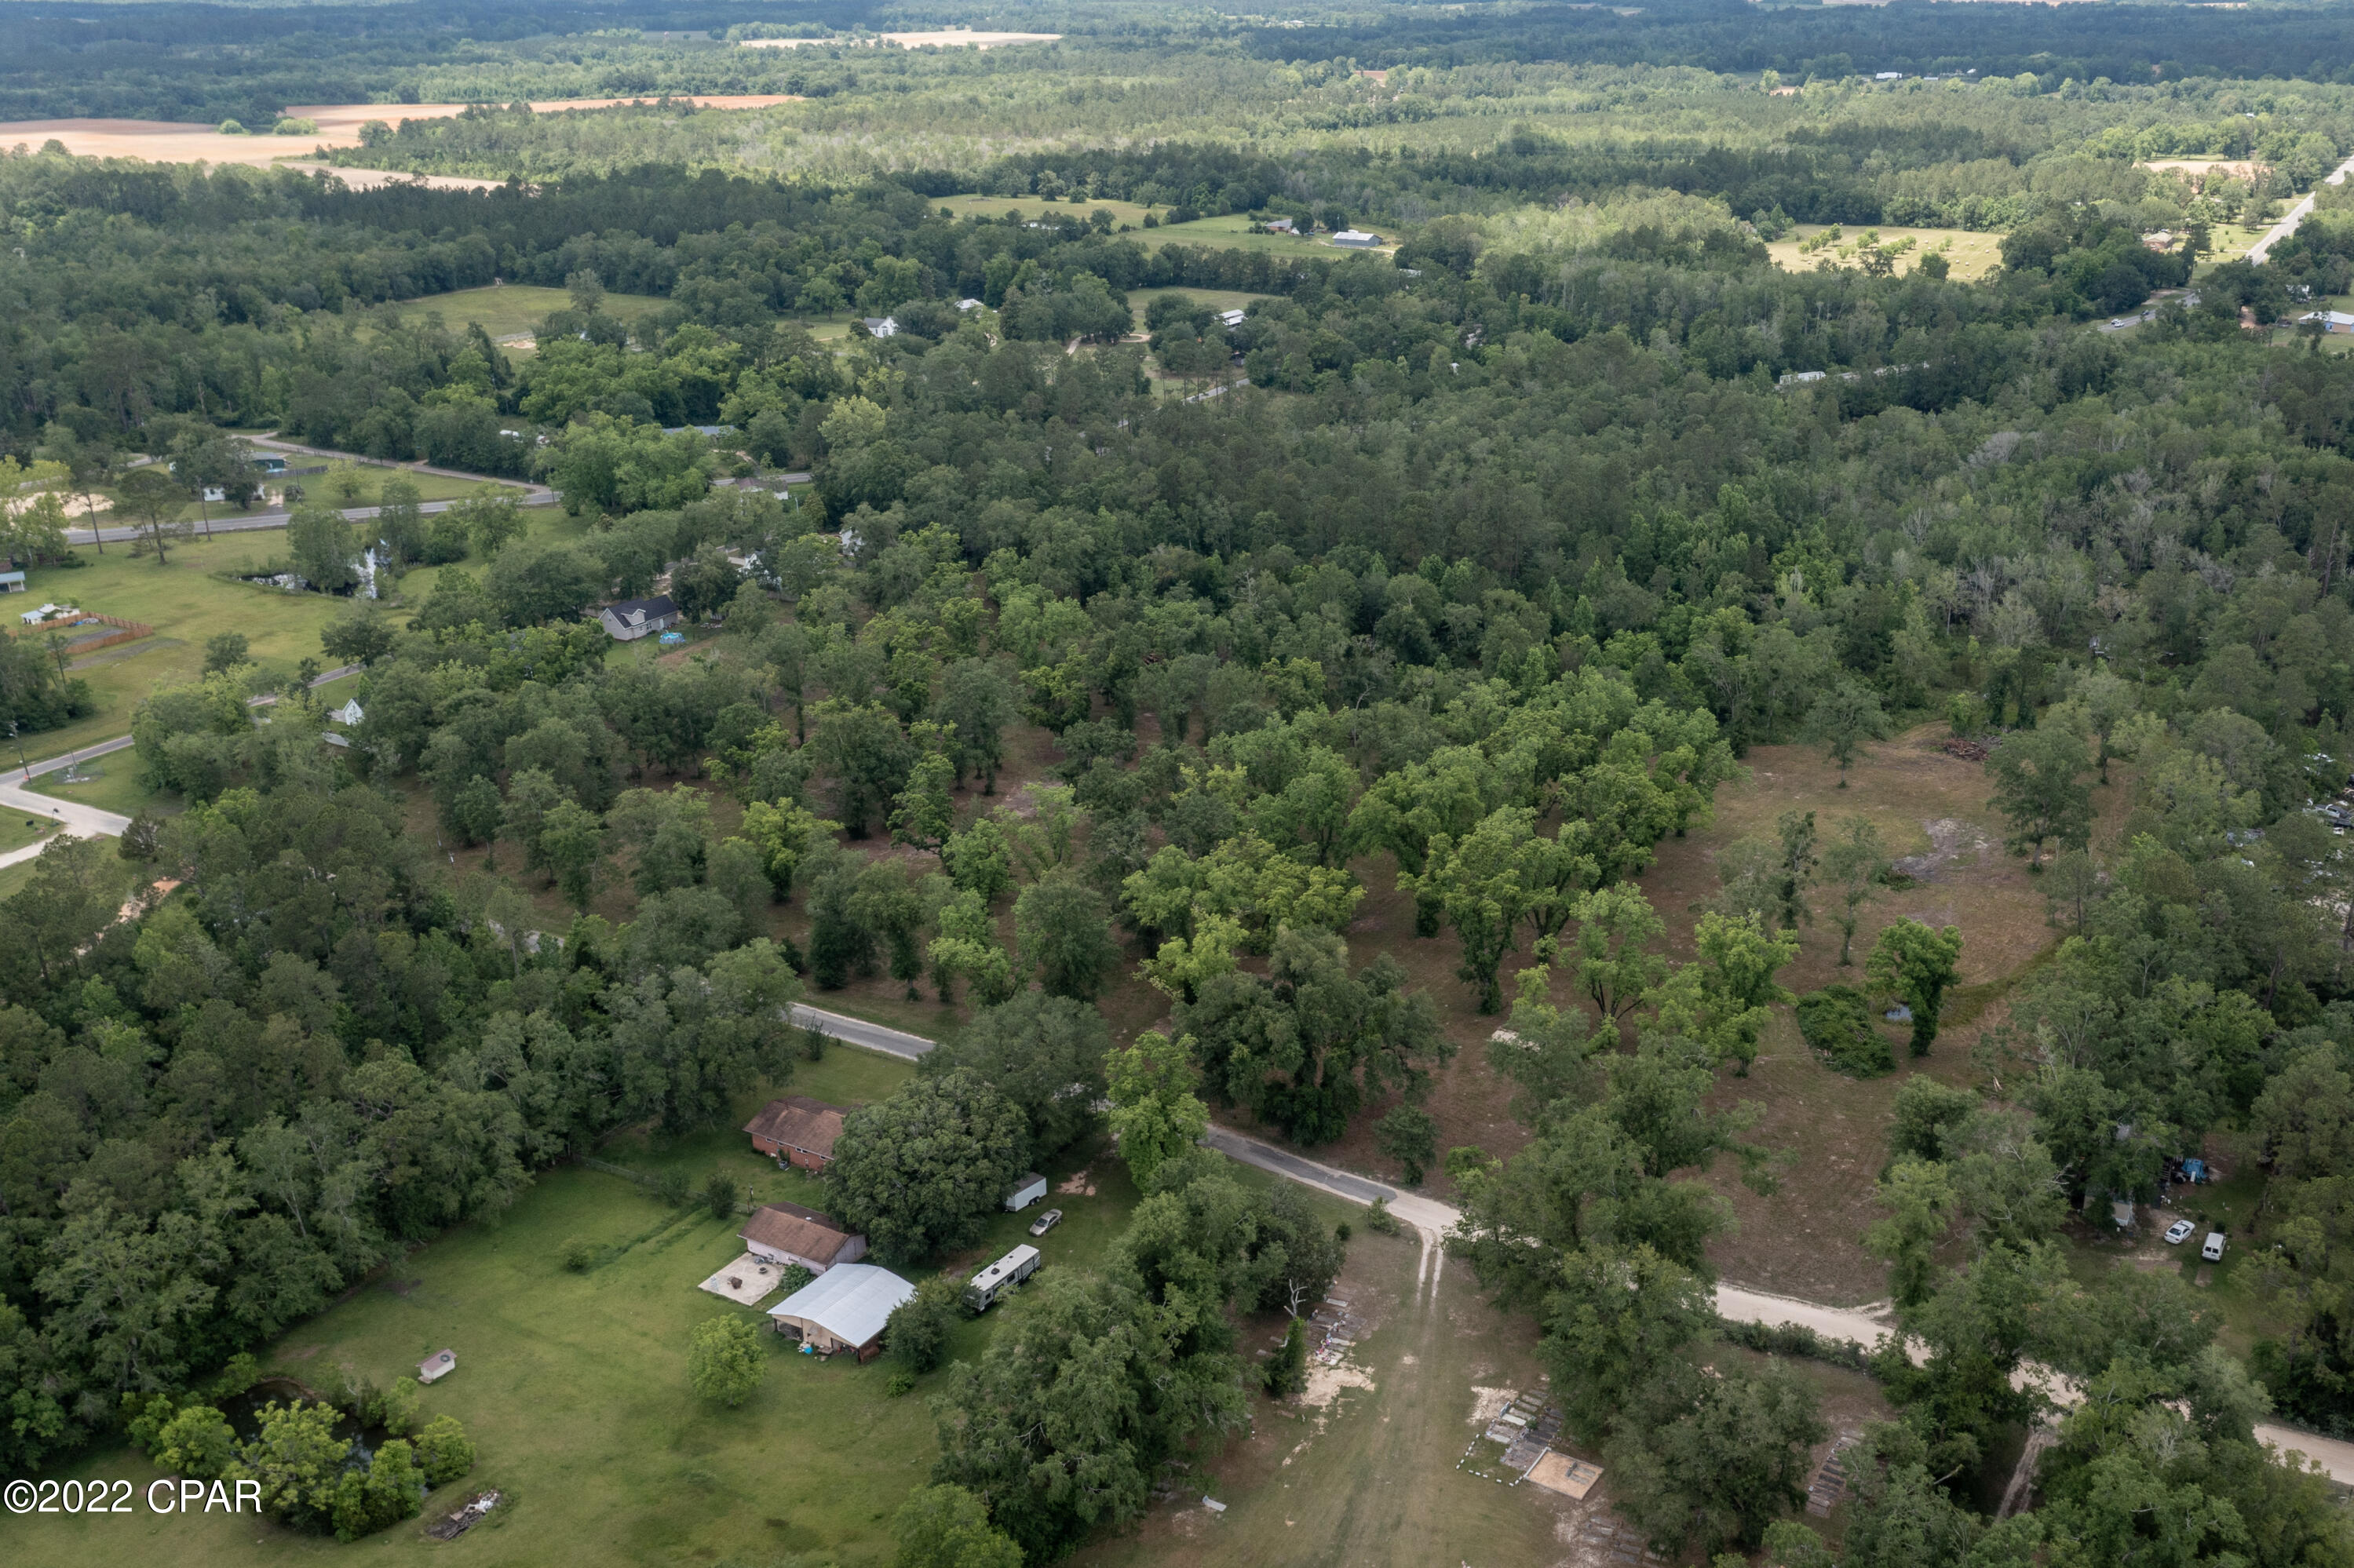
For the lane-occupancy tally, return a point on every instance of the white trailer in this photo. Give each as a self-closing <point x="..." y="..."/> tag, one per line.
<point x="1001" y="1276"/>
<point x="1026" y="1191"/>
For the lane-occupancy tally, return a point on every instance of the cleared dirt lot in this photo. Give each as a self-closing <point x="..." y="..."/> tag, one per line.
<point x="166" y="142"/>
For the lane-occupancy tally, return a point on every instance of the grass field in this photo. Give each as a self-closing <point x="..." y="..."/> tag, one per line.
<point x="17" y="830"/>
<point x="1032" y="206"/>
<point x="1229" y="233"/>
<point x="1141" y="300"/>
<point x="1972" y="255"/>
<point x="185" y="605"/>
<point x="574" y="1385"/>
<point x="116" y="787"/>
<point x="511" y="308"/>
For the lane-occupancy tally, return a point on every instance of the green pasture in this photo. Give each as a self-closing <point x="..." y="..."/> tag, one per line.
<point x="1127" y="212"/>
<point x="1231" y="233"/>
<point x="509" y="308"/>
<point x="116" y="787"/>
<point x="1141" y="300"/>
<point x="574" y="1386"/>
<point x="186" y="604"/>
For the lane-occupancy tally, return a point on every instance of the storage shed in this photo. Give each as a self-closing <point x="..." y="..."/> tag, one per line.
<point x="1026" y="1191"/>
<point x="844" y="1310"/>
<point x="787" y="1232"/>
<point x="797" y="1130"/>
<point x="436" y="1366"/>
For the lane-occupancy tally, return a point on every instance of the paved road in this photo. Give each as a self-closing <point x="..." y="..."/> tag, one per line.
<point x="1863" y="1325"/>
<point x="2297" y="215"/>
<point x="278" y="444"/>
<point x="89" y="821"/>
<point x="858" y="1032"/>
<point x="247" y="522"/>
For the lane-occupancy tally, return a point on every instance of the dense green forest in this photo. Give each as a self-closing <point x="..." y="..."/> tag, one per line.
<point x="1486" y="565"/>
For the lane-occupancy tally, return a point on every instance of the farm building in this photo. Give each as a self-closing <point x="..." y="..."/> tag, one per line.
<point x="787" y="1232"/>
<point x="1356" y="239"/>
<point x="635" y="618"/>
<point x="797" y="1130"/>
<point x="843" y="1308"/>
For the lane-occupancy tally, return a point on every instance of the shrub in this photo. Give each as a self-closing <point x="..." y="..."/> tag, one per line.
<point x="675" y="1188"/>
<point x="232" y="128"/>
<point x="445" y="1452"/>
<point x="1379" y="1218"/>
<point x="1837" y="1021"/>
<point x="796" y="1277"/>
<point x="1286" y="1369"/>
<point x="721" y="1194"/>
<point x="295" y="125"/>
<point x="725" y="1360"/>
<point x="901" y="1382"/>
<point x="578" y="1253"/>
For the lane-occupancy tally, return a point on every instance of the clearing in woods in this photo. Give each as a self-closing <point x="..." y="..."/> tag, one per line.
<point x="511" y="309"/>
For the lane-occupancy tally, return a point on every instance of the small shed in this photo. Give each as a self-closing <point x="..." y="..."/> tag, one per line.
<point x="844" y="1308"/>
<point x="12" y="582"/>
<point x="635" y="618"/>
<point x="797" y="1130"/>
<point x="1232" y="318"/>
<point x="787" y="1232"/>
<point x="1026" y="1191"/>
<point x="436" y="1366"/>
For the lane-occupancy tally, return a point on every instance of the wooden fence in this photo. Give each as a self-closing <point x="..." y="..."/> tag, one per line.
<point x="125" y="632"/>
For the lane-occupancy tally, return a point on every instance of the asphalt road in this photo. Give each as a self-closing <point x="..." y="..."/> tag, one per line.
<point x="858" y="1032"/>
<point x="1865" y="1326"/>
<point x="247" y="522"/>
<point x="89" y="821"/>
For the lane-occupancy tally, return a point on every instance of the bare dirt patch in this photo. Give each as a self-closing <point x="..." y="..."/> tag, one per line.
<point x="168" y="142"/>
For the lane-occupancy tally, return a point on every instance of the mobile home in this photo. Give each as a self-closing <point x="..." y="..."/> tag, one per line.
<point x="1000" y="1276"/>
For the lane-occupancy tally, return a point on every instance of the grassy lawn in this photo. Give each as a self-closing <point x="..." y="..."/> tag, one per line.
<point x="185" y="605"/>
<point x="117" y="788"/>
<point x="1141" y="300"/>
<point x="1971" y="254"/>
<point x="574" y="1386"/>
<point x="17" y="830"/>
<point x="1228" y="233"/>
<point x="1032" y="206"/>
<point x="512" y="308"/>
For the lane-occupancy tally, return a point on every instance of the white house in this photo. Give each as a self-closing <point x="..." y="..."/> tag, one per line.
<point x="1281" y="226"/>
<point x="349" y="712"/>
<point x="879" y="326"/>
<point x="2331" y="321"/>
<point x="1230" y="318"/>
<point x="635" y="618"/>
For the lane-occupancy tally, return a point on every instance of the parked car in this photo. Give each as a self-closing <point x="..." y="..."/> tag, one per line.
<point x="1046" y="1222"/>
<point x="2178" y="1231"/>
<point x="2212" y="1250"/>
